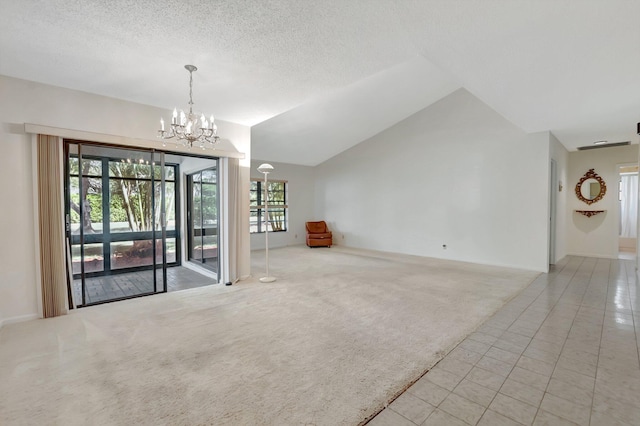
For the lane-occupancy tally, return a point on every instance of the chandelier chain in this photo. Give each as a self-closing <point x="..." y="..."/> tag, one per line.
<point x="190" y="92"/>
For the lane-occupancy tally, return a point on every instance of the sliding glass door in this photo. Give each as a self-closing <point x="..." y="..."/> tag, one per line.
<point x="202" y="217"/>
<point x="121" y="221"/>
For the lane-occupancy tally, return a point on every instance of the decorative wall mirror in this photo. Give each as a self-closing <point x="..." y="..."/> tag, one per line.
<point x="591" y="187"/>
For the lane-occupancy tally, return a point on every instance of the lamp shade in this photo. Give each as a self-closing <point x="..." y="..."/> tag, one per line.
<point x="265" y="168"/>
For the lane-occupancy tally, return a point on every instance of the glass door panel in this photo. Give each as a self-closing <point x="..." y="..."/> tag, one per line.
<point x="159" y="221"/>
<point x="115" y="208"/>
<point x="195" y="218"/>
<point x="209" y="219"/>
<point x="93" y="258"/>
<point x="203" y="217"/>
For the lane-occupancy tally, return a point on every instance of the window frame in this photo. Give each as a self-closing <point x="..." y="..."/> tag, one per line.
<point x="107" y="236"/>
<point x="202" y="230"/>
<point x="259" y="207"/>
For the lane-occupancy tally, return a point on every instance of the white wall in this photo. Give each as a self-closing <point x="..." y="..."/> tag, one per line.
<point x="301" y="193"/>
<point x="28" y="102"/>
<point x="596" y="235"/>
<point x="455" y="173"/>
<point x="561" y="156"/>
<point x="638" y="239"/>
<point x="17" y="249"/>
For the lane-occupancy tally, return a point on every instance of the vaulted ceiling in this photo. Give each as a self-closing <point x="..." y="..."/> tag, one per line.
<point x="316" y="77"/>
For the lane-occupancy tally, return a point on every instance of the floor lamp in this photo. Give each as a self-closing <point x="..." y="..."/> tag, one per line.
<point x="266" y="169"/>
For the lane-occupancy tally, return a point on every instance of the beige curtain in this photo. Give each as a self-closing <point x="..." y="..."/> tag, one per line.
<point x="52" y="247"/>
<point x="234" y="223"/>
<point x="238" y="221"/>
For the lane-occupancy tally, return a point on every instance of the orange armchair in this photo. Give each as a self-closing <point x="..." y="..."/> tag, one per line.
<point x="318" y="235"/>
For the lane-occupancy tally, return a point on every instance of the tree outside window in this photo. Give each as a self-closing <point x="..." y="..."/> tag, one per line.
<point x="129" y="191"/>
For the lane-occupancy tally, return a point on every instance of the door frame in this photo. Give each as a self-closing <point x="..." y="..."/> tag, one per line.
<point x="189" y="219"/>
<point x="618" y="206"/>
<point x="153" y="233"/>
<point x="553" y="208"/>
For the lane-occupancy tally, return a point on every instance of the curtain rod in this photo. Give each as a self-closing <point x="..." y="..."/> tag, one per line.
<point x="123" y="140"/>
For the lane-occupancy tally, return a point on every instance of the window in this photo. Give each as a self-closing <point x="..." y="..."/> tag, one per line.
<point x="277" y="206"/>
<point x="121" y="200"/>
<point x="202" y="217"/>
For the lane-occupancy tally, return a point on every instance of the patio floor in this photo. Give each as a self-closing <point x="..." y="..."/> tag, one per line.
<point x="99" y="289"/>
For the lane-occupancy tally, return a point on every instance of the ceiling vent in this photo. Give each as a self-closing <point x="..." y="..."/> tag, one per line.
<point x="600" y="144"/>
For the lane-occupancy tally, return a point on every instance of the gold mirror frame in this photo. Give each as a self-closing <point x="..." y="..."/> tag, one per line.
<point x="591" y="175"/>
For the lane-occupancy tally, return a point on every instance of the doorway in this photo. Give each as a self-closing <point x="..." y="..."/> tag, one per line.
<point x="627" y="211"/>
<point x="123" y="227"/>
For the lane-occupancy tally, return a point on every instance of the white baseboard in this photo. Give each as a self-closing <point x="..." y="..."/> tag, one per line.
<point x="602" y="256"/>
<point x="20" y="318"/>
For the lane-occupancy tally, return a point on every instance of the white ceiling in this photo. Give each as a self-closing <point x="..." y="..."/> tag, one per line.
<point x="316" y="77"/>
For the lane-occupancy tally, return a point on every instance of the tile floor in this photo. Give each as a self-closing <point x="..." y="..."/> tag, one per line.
<point x="563" y="352"/>
<point x="116" y="286"/>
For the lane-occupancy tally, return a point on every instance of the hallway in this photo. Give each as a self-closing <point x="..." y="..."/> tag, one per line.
<point x="564" y="351"/>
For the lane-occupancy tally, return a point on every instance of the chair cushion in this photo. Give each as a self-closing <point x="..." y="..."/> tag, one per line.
<point x="320" y="236"/>
<point x="319" y="242"/>
<point x="316" y="227"/>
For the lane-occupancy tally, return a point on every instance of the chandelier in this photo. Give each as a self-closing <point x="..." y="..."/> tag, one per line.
<point x="190" y="128"/>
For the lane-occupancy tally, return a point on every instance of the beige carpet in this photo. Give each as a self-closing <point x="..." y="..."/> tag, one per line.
<point x="339" y="334"/>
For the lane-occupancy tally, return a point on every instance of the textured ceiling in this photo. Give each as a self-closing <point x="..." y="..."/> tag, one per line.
<point x="325" y="126"/>
<point x="321" y="76"/>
